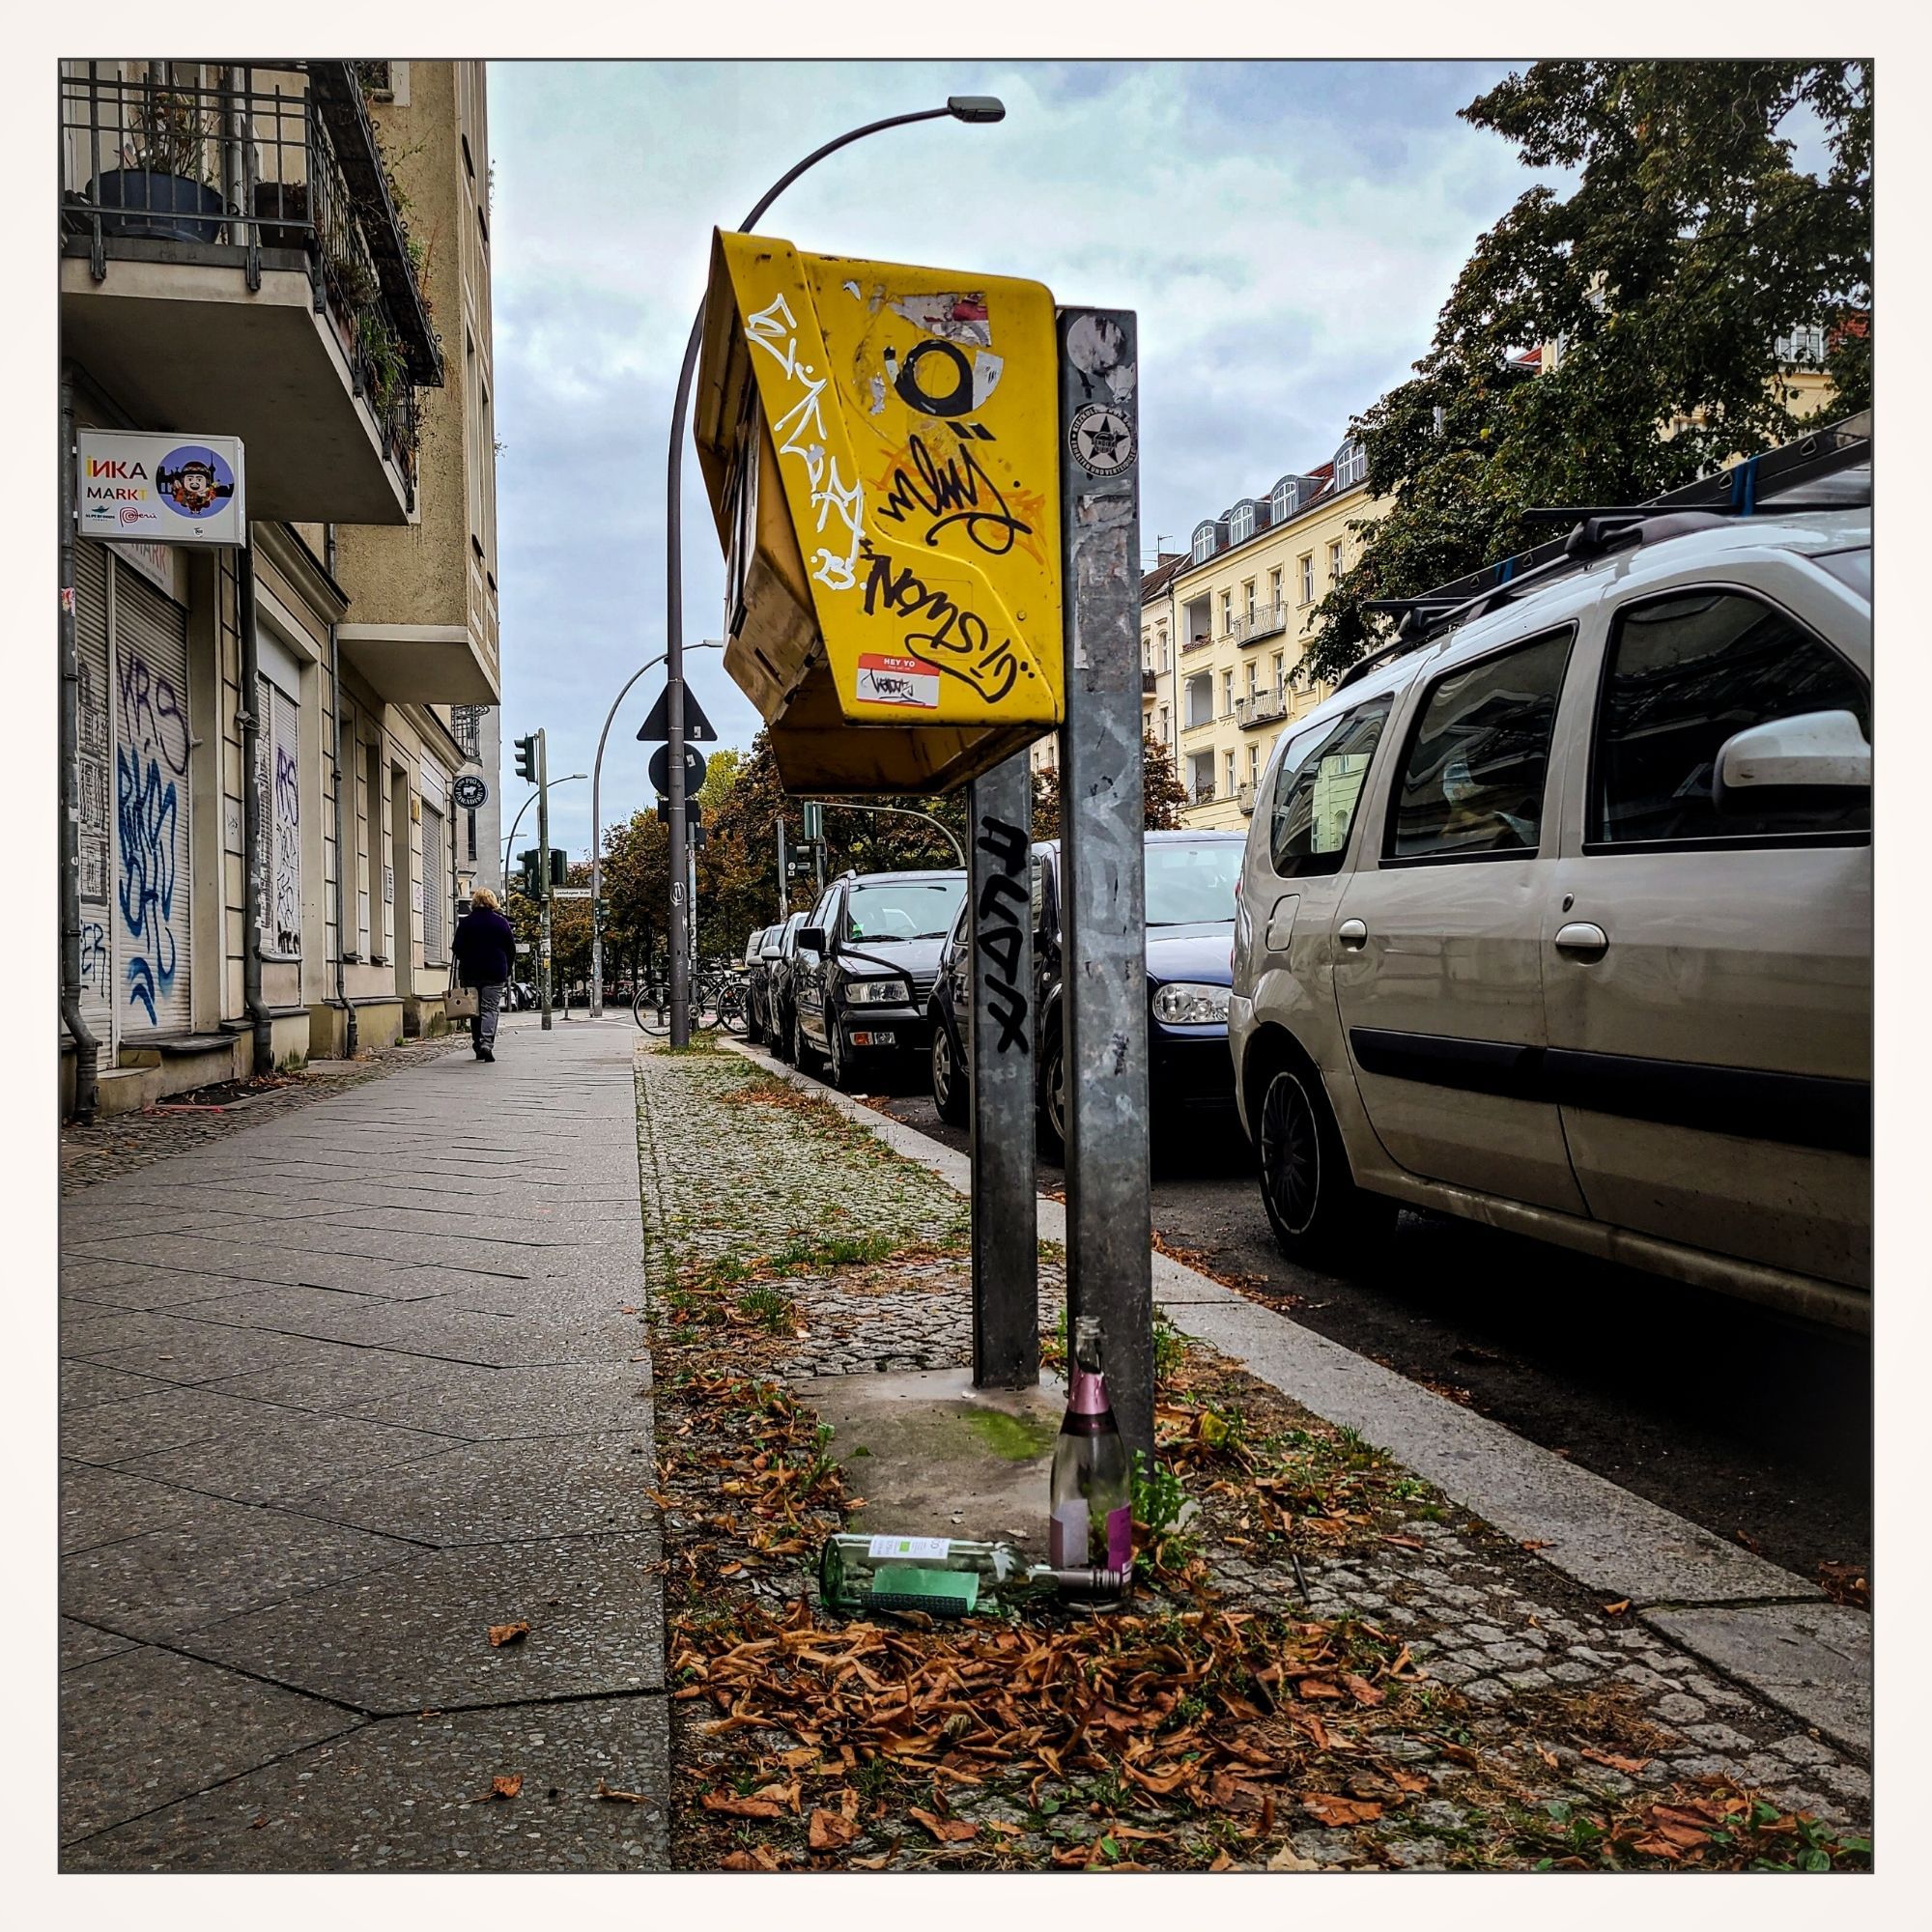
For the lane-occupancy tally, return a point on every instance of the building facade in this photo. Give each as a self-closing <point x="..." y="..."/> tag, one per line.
<point x="269" y="852"/>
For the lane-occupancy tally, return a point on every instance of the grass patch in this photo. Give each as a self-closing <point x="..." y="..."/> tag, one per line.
<point x="1013" y="1439"/>
<point x="770" y="1310"/>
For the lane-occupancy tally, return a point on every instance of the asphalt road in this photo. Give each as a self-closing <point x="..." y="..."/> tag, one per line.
<point x="1757" y="1429"/>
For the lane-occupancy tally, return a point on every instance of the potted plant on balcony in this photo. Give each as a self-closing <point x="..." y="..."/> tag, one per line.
<point x="282" y="211"/>
<point x="165" y="173"/>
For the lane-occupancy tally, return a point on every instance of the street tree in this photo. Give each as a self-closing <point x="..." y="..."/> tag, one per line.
<point x="1162" y="793"/>
<point x="1688" y="244"/>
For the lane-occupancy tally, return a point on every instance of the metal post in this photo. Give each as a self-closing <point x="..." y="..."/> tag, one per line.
<point x="543" y="870"/>
<point x="1005" y="1228"/>
<point x="784" y="884"/>
<point x="1109" y="1260"/>
<point x="86" y="1048"/>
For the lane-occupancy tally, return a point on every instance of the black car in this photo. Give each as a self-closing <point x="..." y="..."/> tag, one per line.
<point x="1190" y="917"/>
<point x="757" y="972"/>
<point x="779" y="954"/>
<point x="866" y="961"/>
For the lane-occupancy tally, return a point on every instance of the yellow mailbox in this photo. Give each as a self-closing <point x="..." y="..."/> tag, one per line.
<point x="881" y="449"/>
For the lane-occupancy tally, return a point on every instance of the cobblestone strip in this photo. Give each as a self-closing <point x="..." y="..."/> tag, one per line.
<point x="1532" y="1664"/>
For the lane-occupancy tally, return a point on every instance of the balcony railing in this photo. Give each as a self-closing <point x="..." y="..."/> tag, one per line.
<point x="1268" y="620"/>
<point x="1148" y="683"/>
<point x="278" y="170"/>
<point x="1199" y="644"/>
<point x="1201" y="792"/>
<point x="1246" y="797"/>
<point x="1261" y="707"/>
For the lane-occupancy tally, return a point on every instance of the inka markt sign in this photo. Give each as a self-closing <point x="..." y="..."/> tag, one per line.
<point x="133" y="487"/>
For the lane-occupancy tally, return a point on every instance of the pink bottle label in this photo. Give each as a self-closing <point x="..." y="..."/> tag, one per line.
<point x="1119" y="1537"/>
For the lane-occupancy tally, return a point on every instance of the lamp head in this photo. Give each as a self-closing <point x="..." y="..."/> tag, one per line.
<point x="975" y="107"/>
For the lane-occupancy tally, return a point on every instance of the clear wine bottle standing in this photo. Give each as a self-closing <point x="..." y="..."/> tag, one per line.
<point x="1090" y="1496"/>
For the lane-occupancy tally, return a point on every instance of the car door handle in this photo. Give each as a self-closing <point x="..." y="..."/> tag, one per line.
<point x="1582" y="939"/>
<point x="1352" y="932"/>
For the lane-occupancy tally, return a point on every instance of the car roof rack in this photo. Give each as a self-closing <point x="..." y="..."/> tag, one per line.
<point x="1830" y="465"/>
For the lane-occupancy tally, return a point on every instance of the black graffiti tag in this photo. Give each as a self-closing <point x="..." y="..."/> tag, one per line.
<point x="992" y="668"/>
<point x="953" y="493"/>
<point x="999" y="934"/>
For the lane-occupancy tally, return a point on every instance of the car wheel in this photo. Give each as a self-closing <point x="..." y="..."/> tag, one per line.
<point x="1051" y="1109"/>
<point x="804" y="1055"/>
<point x="780" y="1033"/>
<point x="949" y="1094"/>
<point x="837" y="1055"/>
<point x="755" y="1025"/>
<point x="1313" y="1206"/>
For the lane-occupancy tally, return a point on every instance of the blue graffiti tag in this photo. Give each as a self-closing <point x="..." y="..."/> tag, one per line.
<point x="94" y="962"/>
<point x="147" y="810"/>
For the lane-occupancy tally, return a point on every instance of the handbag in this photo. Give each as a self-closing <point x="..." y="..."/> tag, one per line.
<point x="460" y="1003"/>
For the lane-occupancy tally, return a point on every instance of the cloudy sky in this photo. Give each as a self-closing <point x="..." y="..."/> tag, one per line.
<point x="1285" y="231"/>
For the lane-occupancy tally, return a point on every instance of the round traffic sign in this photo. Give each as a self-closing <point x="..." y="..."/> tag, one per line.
<point x="660" y="770"/>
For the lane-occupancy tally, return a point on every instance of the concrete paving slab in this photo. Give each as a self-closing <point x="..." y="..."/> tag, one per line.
<point x="81" y="1644"/>
<point x="315" y="1314"/>
<point x="179" y="1350"/>
<point x="148" y="1425"/>
<point x="492" y="1404"/>
<point x="334" y="1378"/>
<point x="120" y="1285"/>
<point x="88" y="1384"/>
<point x="1814" y="1660"/>
<point x="219" y="1559"/>
<point x="260" y="1257"/>
<point x="102" y="1506"/>
<point x="510" y="1341"/>
<point x="502" y="1492"/>
<point x="265" y="1462"/>
<point x="414" y="1636"/>
<point x="146" y="1727"/>
<point x="397" y="1796"/>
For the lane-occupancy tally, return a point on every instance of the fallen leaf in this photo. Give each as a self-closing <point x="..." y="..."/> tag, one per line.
<point x="1629" y="1766"/>
<point x="501" y="1787"/>
<point x="1403" y="1543"/>
<point x="741" y="1808"/>
<point x="502" y="1633"/>
<point x="878" y="1864"/>
<point x="1363" y="1691"/>
<point x="1327" y="1809"/>
<point x="948" y="1831"/>
<point x="1617" y="1609"/>
<point x="620" y="1797"/>
<point x="830" y="1832"/>
<point x="1535" y="1543"/>
<point x="1222" y="1863"/>
<point x="1289" y="1859"/>
<point x="761" y="1857"/>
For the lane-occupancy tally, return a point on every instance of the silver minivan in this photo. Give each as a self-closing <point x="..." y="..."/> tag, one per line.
<point x="1563" y="923"/>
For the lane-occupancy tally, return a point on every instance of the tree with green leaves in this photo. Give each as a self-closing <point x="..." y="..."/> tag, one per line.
<point x="1162" y="793"/>
<point x="1688" y="243"/>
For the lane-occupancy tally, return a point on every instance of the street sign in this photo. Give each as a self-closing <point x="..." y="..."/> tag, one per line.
<point x="697" y="729"/>
<point x="469" y="791"/>
<point x="183" y="489"/>
<point x="659" y="770"/>
<point x="881" y="447"/>
<point x="570" y="892"/>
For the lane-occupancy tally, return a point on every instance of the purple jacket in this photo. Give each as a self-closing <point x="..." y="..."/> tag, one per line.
<point x="485" y="946"/>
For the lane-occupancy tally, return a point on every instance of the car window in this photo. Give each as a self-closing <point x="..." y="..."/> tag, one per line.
<point x="1472" y="781"/>
<point x="1317" y="787"/>
<point x="1685" y="673"/>
<point x="905" y="909"/>
<point x="1189" y="881"/>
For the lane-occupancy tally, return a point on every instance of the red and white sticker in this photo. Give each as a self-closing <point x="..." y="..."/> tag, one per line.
<point x="910" y="682"/>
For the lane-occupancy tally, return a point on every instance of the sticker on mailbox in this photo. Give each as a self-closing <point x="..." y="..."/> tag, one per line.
<point x="904" y="681"/>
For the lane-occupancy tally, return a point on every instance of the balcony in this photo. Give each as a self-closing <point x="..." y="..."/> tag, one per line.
<point x="1261" y="708"/>
<point x="233" y="263"/>
<point x="1148" y="683"/>
<point x="1201" y="792"/>
<point x="1270" y="620"/>
<point x="1204" y="722"/>
<point x="1245" y="798"/>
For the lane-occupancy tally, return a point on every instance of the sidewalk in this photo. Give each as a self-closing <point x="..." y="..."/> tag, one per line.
<point x="1459" y="1701"/>
<point x="340" y="1392"/>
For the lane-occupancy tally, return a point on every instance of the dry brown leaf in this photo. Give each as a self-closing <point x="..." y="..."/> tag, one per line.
<point x="501" y="1787"/>
<point x="741" y="1808"/>
<point x="948" y="1831"/>
<point x="1629" y="1766"/>
<point x="1222" y="1863"/>
<point x="621" y="1797"/>
<point x="1617" y="1609"/>
<point x="1363" y="1691"/>
<point x="502" y="1633"/>
<point x="1327" y="1809"/>
<point x="1289" y="1859"/>
<point x="830" y="1832"/>
<point x="1318" y="1687"/>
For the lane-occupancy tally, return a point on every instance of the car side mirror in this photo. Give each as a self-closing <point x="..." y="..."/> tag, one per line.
<point x="812" y="939"/>
<point x="1818" y="758"/>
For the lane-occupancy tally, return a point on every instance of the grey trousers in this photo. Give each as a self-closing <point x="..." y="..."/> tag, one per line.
<point x="489" y="999"/>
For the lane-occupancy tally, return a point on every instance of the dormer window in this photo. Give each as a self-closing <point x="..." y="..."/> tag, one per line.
<point x="1285" y="499"/>
<point x="1203" y="543"/>
<point x="1351" y="465"/>
<point x="1240" y="522"/>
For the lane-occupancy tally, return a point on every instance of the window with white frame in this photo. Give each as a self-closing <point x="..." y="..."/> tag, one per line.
<point x="1240" y="522"/>
<point x="1227" y="693"/>
<point x="1227" y="612"/>
<point x="1274" y="590"/>
<point x="1351" y="465"/>
<point x="1335" y="561"/>
<point x="1160" y="650"/>
<point x="1248" y="598"/>
<point x="1280" y="676"/>
<point x="1230" y="774"/>
<point x="1203" y="543"/>
<point x="1803" y="347"/>
<point x="1251" y="678"/>
<point x="1285" y="499"/>
<point x="1308" y="578"/>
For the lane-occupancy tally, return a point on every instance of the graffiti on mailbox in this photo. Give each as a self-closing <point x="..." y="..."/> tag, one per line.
<point x="957" y="642"/>
<point x="999" y="936"/>
<point x="955" y="490"/>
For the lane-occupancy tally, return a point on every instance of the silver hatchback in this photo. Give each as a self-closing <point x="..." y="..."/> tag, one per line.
<point x="1564" y="924"/>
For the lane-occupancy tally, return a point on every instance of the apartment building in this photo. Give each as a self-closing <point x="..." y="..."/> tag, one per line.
<point x="1241" y="610"/>
<point x="263" y="769"/>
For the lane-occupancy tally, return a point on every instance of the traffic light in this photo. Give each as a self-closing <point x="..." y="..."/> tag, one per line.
<point x="814" y="822"/>
<point x="527" y="758"/>
<point x="559" y="865"/>
<point x="526" y="864"/>
<point x="600" y="915"/>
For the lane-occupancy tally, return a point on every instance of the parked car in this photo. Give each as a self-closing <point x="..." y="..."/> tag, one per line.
<point x="1563" y="923"/>
<point x="1190" y="916"/>
<point x="866" y="962"/>
<point x="781" y="952"/>
<point x="755" y="972"/>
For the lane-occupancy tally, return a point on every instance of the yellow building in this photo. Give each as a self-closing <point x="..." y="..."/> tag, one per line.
<point x="295" y="255"/>
<point x="1225" y="637"/>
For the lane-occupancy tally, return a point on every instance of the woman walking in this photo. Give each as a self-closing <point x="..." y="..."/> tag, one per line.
<point x="484" y="945"/>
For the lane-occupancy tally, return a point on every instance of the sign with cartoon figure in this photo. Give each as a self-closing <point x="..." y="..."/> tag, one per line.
<point x="881" y="445"/>
<point x="136" y="487"/>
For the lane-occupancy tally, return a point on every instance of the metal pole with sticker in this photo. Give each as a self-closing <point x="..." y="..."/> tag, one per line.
<point x="1001" y="1057"/>
<point x="1104" y="1002"/>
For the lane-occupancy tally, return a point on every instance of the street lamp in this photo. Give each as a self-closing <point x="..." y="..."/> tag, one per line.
<point x="519" y="819"/>
<point x="596" y="824"/>
<point x="974" y="108"/>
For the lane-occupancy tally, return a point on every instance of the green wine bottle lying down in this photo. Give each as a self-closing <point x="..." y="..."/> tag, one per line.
<point x="948" y="1577"/>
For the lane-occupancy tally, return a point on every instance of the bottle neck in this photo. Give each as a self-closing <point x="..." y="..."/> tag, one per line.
<point x="1087" y="1395"/>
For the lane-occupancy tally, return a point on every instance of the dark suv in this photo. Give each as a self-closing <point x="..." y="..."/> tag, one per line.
<point x="779" y="954"/>
<point x="867" y="961"/>
<point x="1190" y="916"/>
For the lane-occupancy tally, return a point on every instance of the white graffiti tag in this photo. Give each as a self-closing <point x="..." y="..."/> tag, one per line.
<point x="800" y="433"/>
